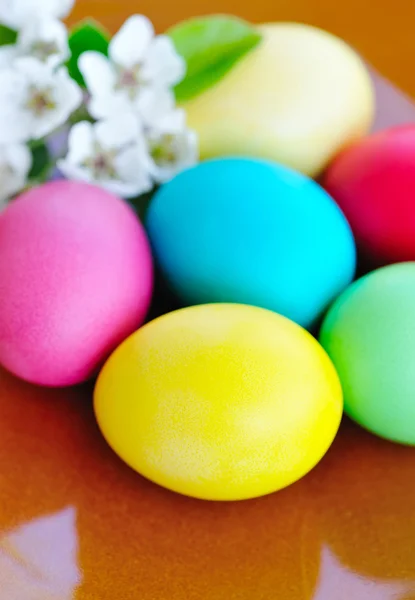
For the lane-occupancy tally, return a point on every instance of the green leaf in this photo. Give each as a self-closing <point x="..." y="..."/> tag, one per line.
<point x="7" y="36"/>
<point x="211" y="46"/>
<point x="81" y="114"/>
<point x="87" y="35"/>
<point x="42" y="163"/>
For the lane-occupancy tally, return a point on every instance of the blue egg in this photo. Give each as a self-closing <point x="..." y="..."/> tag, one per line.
<point x="251" y="232"/>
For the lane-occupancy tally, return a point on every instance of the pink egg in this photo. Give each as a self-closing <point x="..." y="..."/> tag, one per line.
<point x="76" y="279"/>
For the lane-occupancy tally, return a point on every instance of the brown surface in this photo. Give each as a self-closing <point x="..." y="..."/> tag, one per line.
<point x="76" y="523"/>
<point x="345" y="532"/>
<point x="382" y="30"/>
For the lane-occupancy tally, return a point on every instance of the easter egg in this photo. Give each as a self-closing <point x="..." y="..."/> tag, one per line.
<point x="220" y="401"/>
<point x="298" y="98"/>
<point x="374" y="184"/>
<point x="75" y="281"/>
<point x="369" y="333"/>
<point x="251" y="232"/>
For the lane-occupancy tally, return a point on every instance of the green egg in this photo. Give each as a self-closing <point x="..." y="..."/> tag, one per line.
<point x="369" y="333"/>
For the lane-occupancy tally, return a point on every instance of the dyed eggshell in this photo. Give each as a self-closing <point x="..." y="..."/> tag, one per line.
<point x="75" y="280"/>
<point x="298" y="98"/>
<point x="374" y="184"/>
<point x="369" y="335"/>
<point x="220" y="402"/>
<point x="251" y="232"/>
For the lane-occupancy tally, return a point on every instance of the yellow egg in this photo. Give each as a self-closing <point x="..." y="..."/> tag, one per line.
<point x="298" y="98"/>
<point x="220" y="401"/>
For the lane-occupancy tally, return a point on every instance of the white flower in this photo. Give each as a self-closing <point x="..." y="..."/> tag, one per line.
<point x="172" y="146"/>
<point x="45" y="39"/>
<point x="8" y="54"/>
<point x="15" y="13"/>
<point x="15" y="164"/>
<point x="111" y="154"/>
<point x="34" y="100"/>
<point x="151" y="105"/>
<point x="155" y="105"/>
<point x="138" y="60"/>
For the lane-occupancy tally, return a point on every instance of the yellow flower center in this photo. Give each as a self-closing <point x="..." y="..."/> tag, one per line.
<point x="40" y="101"/>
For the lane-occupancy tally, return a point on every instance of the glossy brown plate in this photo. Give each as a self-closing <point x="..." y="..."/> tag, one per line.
<point x="75" y="522"/>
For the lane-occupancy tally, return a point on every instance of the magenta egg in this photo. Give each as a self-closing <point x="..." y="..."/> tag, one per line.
<point x="76" y="279"/>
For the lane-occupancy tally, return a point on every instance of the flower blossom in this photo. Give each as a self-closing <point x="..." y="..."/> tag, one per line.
<point x="16" y="13"/>
<point x="138" y="61"/>
<point x="35" y="100"/>
<point x="110" y="153"/>
<point x="15" y="164"/>
<point x="43" y="38"/>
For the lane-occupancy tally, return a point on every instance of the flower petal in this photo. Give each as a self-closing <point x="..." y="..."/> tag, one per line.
<point x="115" y="186"/>
<point x="172" y="122"/>
<point x="186" y="146"/>
<point x="15" y="127"/>
<point x="15" y="163"/>
<point x="131" y="162"/>
<point x="13" y="87"/>
<point x="19" y="158"/>
<point x="154" y="104"/>
<point x="98" y="72"/>
<point x="68" y="89"/>
<point x="108" y="105"/>
<point x="33" y="71"/>
<point x="75" y="172"/>
<point x="46" y="39"/>
<point x="162" y="64"/>
<point x="14" y="122"/>
<point x="140" y="184"/>
<point x="80" y="142"/>
<point x="15" y="13"/>
<point x="133" y="165"/>
<point x="7" y="55"/>
<point x="67" y="97"/>
<point x="123" y="189"/>
<point x="53" y="8"/>
<point x="119" y="131"/>
<point x="130" y="44"/>
<point x="61" y="8"/>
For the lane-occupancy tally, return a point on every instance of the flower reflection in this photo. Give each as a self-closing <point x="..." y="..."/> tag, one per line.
<point x="339" y="582"/>
<point x="38" y="560"/>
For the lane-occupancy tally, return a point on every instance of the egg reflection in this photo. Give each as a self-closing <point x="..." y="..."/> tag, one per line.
<point x="364" y="497"/>
<point x="339" y="582"/>
<point x="38" y="560"/>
